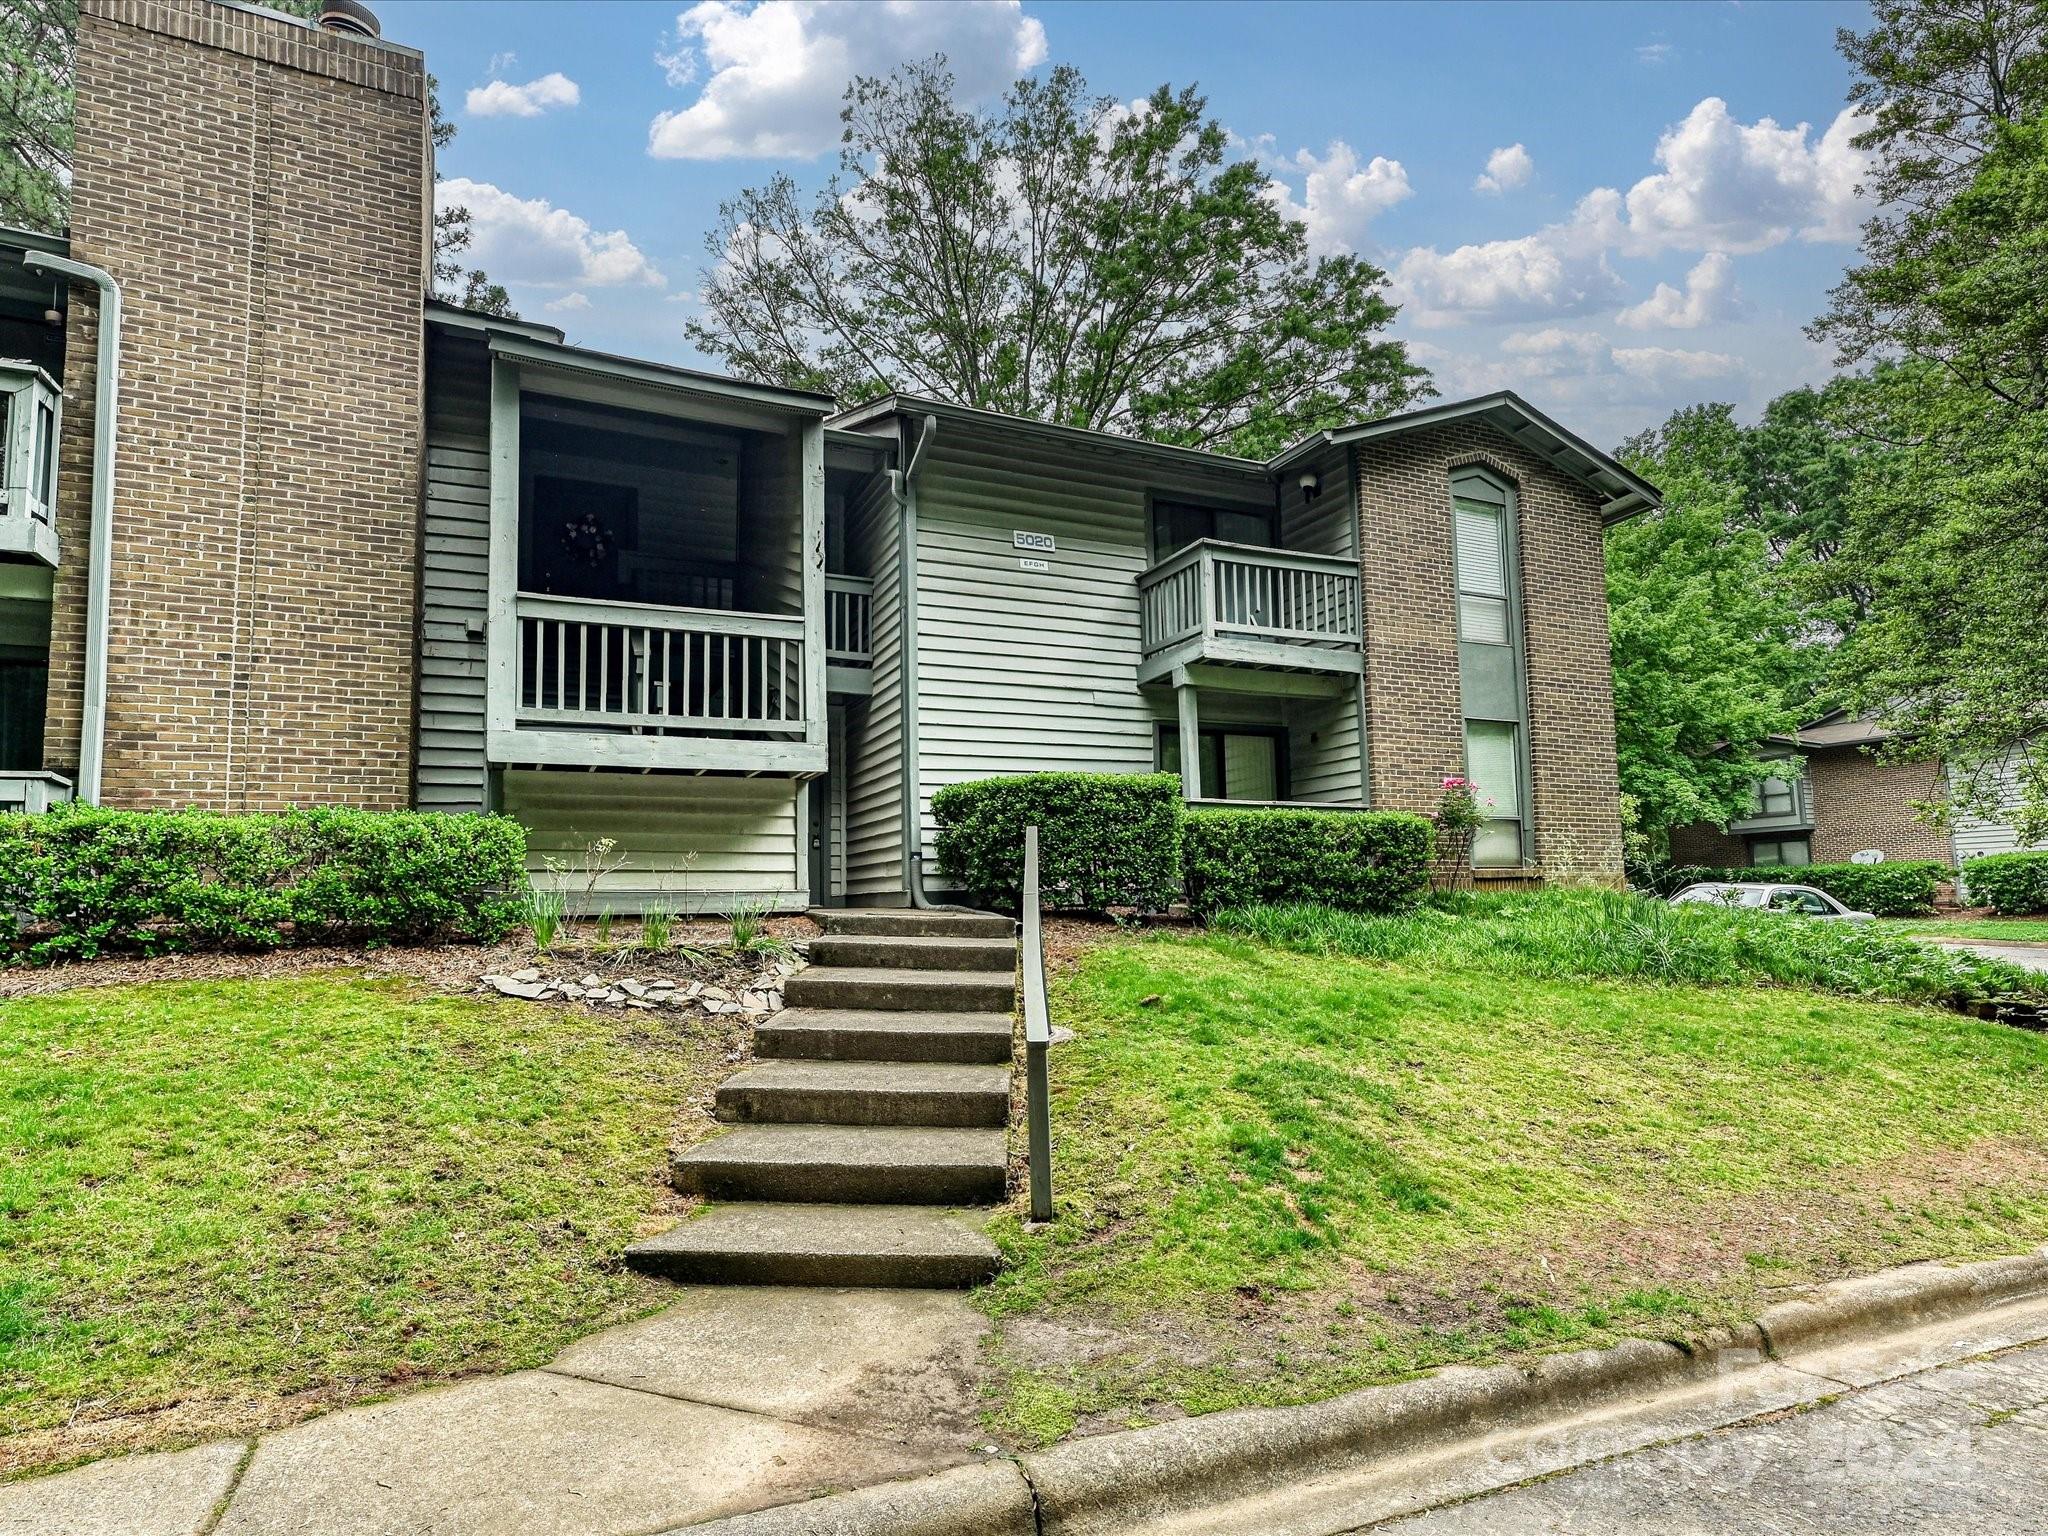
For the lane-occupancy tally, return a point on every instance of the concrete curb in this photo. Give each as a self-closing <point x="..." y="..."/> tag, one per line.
<point x="1112" y="1483"/>
<point x="989" y="1498"/>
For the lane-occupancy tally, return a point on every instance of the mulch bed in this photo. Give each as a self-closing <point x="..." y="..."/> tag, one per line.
<point x="449" y="967"/>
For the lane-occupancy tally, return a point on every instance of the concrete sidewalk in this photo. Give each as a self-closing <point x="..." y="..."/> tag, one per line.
<point x="732" y="1399"/>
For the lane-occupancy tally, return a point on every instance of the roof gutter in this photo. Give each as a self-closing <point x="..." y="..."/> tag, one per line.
<point x="99" y="554"/>
<point x="903" y="482"/>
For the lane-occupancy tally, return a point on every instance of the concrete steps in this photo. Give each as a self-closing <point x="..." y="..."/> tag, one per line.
<point x="867" y="1093"/>
<point x="770" y="1244"/>
<point x="859" y="1164"/>
<point x="901" y="924"/>
<point x="899" y="991"/>
<point x="878" y="1034"/>
<point x="877" y="1104"/>
<point x="915" y="952"/>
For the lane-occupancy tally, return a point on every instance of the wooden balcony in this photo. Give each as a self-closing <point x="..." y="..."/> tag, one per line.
<point x="1242" y="606"/>
<point x="849" y="634"/>
<point x="639" y="685"/>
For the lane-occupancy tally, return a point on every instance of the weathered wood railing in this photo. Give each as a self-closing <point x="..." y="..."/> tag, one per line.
<point x="849" y="621"/>
<point x="637" y="666"/>
<point x="1212" y="588"/>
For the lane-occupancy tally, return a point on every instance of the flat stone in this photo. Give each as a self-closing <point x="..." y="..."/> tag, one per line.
<point x="169" y="1493"/>
<point x="660" y="984"/>
<point x="531" y="973"/>
<point x="512" y="986"/>
<point x="594" y="982"/>
<point x="632" y="988"/>
<point x="541" y="1454"/>
<point x="638" y="1002"/>
<point x="901" y="1365"/>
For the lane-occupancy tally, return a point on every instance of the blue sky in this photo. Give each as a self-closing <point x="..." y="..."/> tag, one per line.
<point x="1614" y="208"/>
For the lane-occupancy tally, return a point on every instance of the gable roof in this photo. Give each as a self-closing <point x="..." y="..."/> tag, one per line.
<point x="1623" y="492"/>
<point x="1083" y="439"/>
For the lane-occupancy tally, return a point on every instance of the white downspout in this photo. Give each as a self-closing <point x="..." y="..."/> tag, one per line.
<point x="99" y="557"/>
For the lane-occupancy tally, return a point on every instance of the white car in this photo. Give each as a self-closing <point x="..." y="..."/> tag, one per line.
<point x="1803" y="900"/>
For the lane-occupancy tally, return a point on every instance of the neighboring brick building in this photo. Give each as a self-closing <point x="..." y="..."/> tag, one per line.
<point x="260" y="191"/>
<point x="1843" y="802"/>
<point x="368" y="548"/>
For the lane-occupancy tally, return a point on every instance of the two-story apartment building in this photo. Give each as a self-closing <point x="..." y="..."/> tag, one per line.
<point x="299" y="535"/>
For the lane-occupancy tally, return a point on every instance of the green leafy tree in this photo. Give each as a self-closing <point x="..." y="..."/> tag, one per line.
<point x="1952" y="539"/>
<point x="38" y="61"/>
<point x="1940" y="80"/>
<point x="1706" y="630"/>
<point x="1059" y="257"/>
<point x="35" y="110"/>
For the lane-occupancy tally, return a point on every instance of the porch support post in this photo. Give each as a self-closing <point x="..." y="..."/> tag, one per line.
<point x="811" y="471"/>
<point x="501" y="631"/>
<point x="1190" y="738"/>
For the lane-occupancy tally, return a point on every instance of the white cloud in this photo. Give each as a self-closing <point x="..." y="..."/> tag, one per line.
<point x="1340" y="198"/>
<point x="1709" y="295"/>
<point x="1560" y="270"/>
<point x="568" y="303"/>
<point x="500" y="98"/>
<point x="1736" y="187"/>
<point x="1665" y="365"/>
<point x="777" y="69"/>
<point x="1506" y="169"/>
<point x="529" y="240"/>
<point x="501" y="63"/>
<point x="1654" y="53"/>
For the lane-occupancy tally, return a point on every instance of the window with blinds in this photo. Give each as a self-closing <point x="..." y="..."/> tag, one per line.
<point x="1482" y="571"/>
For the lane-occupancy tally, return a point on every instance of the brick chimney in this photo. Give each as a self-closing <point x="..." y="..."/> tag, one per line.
<point x="259" y="187"/>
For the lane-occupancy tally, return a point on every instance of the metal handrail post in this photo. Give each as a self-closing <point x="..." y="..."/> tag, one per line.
<point x="1037" y="1038"/>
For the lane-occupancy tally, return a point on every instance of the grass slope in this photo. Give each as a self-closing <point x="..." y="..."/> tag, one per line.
<point x="220" y="1195"/>
<point x="1282" y="1175"/>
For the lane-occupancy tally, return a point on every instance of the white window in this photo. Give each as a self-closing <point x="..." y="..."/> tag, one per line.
<point x="1493" y="764"/>
<point x="1482" y="530"/>
<point x="1776" y="797"/>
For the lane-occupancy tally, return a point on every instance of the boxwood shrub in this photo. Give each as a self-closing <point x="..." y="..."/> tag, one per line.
<point x="2012" y="884"/>
<point x="1357" y="861"/>
<point x="80" y="881"/>
<point x="1105" y="839"/>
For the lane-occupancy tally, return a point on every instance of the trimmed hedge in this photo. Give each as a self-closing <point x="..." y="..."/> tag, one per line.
<point x="1104" y="840"/>
<point x="1357" y="861"/>
<point x="2011" y="884"/>
<point x="79" y="881"/>
<point x="1904" y="888"/>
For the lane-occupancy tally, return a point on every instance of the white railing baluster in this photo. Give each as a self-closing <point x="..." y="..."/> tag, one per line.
<point x="669" y="677"/>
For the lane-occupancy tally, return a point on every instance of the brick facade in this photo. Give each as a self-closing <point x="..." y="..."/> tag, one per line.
<point x="1414" y="719"/>
<point x="259" y="189"/>
<point x="1856" y="802"/>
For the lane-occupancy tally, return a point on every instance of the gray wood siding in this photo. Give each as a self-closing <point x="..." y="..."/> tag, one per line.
<point x="1326" y="525"/>
<point x="452" y="774"/>
<point x="1020" y="670"/>
<point x="693" y="842"/>
<point x="1974" y="836"/>
<point x="874" y="750"/>
<point x="1322" y="751"/>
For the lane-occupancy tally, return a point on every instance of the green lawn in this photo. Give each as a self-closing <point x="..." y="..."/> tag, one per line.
<point x="224" y="1198"/>
<point x="1281" y="1175"/>
<point x="2011" y="930"/>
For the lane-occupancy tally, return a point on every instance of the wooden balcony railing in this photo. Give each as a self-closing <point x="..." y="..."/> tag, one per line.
<point x="849" y="621"/>
<point x="1212" y="588"/>
<point x="636" y="666"/>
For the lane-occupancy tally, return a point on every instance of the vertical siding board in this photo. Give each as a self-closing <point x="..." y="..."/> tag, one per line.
<point x="451" y="773"/>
